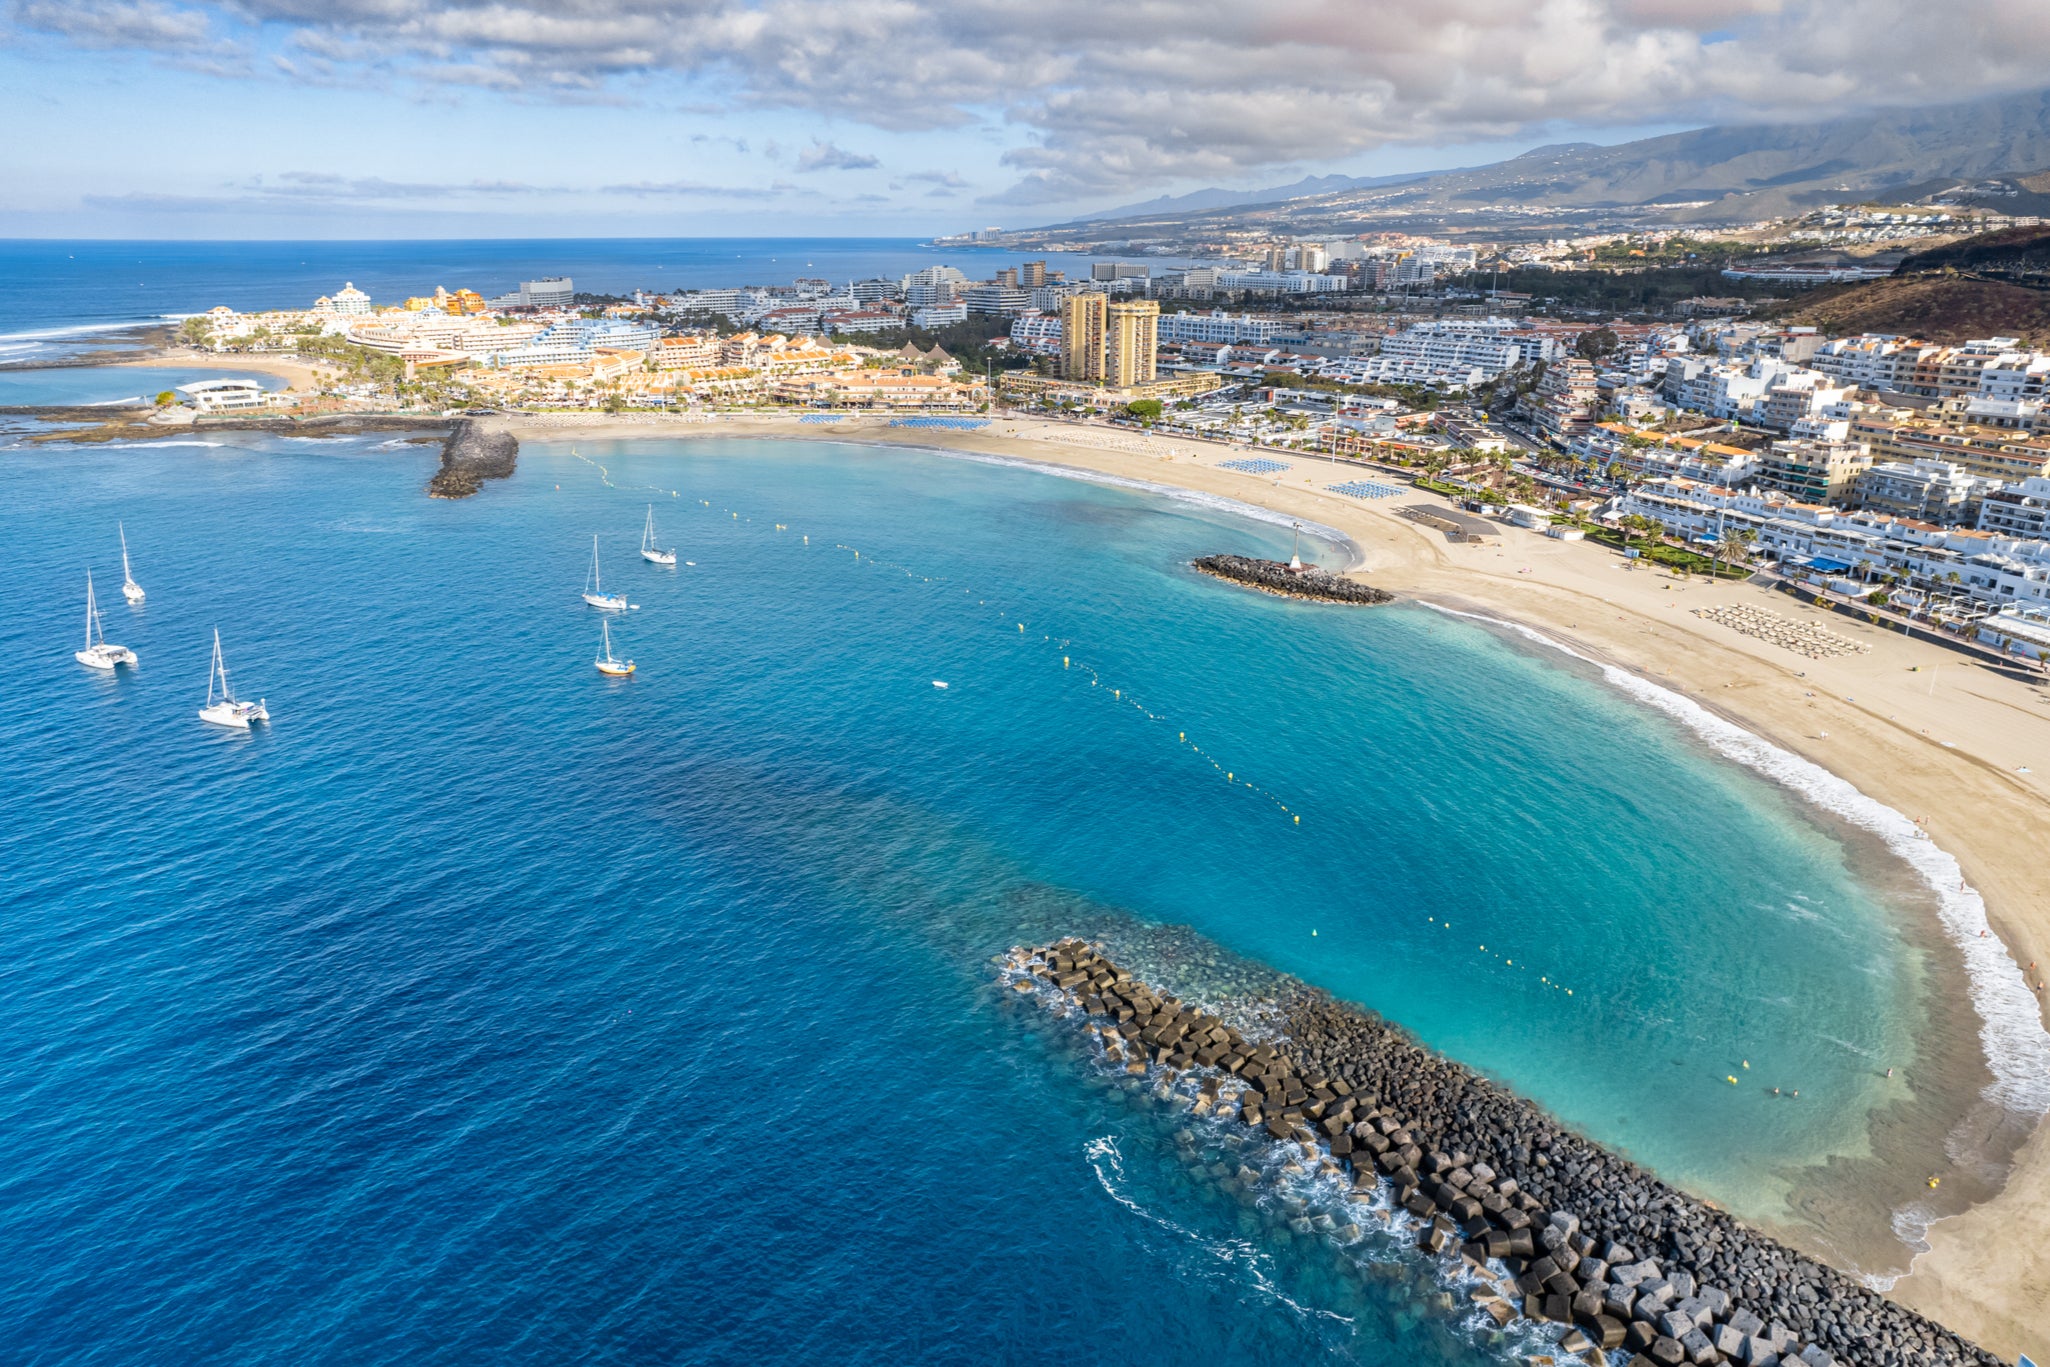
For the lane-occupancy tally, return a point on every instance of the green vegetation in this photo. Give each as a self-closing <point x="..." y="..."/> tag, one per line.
<point x="166" y="398"/>
<point x="1147" y="409"/>
<point x="1652" y="290"/>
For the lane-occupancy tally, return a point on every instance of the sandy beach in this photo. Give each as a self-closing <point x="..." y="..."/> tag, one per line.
<point x="1961" y="748"/>
<point x="294" y="372"/>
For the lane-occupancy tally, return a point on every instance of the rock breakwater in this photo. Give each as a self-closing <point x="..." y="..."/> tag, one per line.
<point x="1271" y="576"/>
<point x="470" y="456"/>
<point x="1555" y="1231"/>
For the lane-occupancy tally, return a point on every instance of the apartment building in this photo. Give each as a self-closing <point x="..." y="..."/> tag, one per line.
<point x="1084" y="320"/>
<point x="1131" y="343"/>
<point x="1811" y="471"/>
<point x="1991" y="453"/>
<point x="2019" y="510"/>
<point x="1933" y="491"/>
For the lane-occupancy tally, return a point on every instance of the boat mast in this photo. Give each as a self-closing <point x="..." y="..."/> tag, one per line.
<point x="91" y="615"/>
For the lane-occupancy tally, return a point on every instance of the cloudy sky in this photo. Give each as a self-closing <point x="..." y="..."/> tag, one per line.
<point x="300" y="118"/>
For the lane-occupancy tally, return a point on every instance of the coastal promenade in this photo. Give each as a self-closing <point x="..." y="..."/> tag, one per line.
<point x="1960" y="748"/>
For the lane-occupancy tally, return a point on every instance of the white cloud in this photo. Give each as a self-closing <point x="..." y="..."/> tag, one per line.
<point x="824" y="156"/>
<point x="1111" y="99"/>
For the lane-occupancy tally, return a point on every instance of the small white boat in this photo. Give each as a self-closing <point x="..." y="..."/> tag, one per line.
<point x="939" y="683"/>
<point x="594" y="587"/>
<point x="130" y="590"/>
<point x="616" y="668"/>
<point x="649" y="550"/>
<point x="227" y="711"/>
<point x="97" y="652"/>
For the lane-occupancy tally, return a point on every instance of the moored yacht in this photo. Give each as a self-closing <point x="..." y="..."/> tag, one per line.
<point x="606" y="663"/>
<point x="226" y="711"/>
<point x="98" y="653"/>
<point x="594" y="587"/>
<point x="649" y="550"/>
<point x="130" y="590"/>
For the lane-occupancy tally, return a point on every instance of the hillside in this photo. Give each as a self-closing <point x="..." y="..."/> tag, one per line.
<point x="1987" y="151"/>
<point x="1940" y="308"/>
<point x="2017" y="255"/>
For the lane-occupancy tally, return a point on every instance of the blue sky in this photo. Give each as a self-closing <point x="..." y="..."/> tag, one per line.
<point x="416" y="118"/>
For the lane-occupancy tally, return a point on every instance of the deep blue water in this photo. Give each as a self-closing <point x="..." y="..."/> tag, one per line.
<point x="483" y="1009"/>
<point x="64" y="286"/>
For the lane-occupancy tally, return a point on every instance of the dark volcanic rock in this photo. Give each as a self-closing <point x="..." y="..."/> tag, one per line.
<point x="1586" y="1235"/>
<point x="1271" y="576"/>
<point x="469" y="457"/>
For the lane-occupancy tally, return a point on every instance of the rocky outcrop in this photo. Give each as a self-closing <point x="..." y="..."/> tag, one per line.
<point x="1564" y="1232"/>
<point x="1271" y="576"/>
<point x="470" y="456"/>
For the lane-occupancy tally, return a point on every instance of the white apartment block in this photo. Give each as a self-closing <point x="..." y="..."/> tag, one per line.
<point x="1216" y="326"/>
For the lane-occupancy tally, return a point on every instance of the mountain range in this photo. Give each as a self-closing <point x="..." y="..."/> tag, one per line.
<point x="1986" y="151"/>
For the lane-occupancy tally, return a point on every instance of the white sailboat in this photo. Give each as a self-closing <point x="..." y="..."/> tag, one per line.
<point x="649" y="550"/>
<point x="605" y="661"/>
<point x="97" y="652"/>
<point x="130" y="590"/>
<point x="594" y="588"/>
<point x="227" y="711"/>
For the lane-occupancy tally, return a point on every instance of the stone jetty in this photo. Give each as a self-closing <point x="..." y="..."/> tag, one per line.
<point x="1311" y="581"/>
<point x="470" y="456"/>
<point x="1629" y="1270"/>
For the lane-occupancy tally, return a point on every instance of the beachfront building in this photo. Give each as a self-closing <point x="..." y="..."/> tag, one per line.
<point x="2020" y="510"/>
<point x="1131" y="343"/>
<point x="1811" y="471"/>
<point x="684" y="353"/>
<point x="1991" y="569"/>
<point x="896" y="387"/>
<point x="1933" y="491"/>
<point x="1025" y="386"/>
<point x="226" y="396"/>
<point x="1083" y="319"/>
<point x="348" y="301"/>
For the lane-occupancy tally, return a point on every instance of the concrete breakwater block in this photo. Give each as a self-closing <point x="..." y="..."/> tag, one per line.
<point x="1311" y="581"/>
<point x="1498" y="1186"/>
<point x="470" y="456"/>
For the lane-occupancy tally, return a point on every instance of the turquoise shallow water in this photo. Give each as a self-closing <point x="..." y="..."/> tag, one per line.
<point x="484" y="1008"/>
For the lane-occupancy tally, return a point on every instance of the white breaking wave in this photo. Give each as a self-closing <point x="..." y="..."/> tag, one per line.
<point x="80" y="330"/>
<point x="2011" y="1033"/>
<point x="1238" y="1253"/>
<point x="117" y="445"/>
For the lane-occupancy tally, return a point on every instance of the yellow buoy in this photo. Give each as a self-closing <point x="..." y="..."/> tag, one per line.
<point x="1747" y="1065"/>
<point x="1064" y="662"/>
<point x="1732" y="1081"/>
<point x="1933" y="1181"/>
<point x="1298" y="821"/>
<point x="1227" y="776"/>
<point x="1021" y="628"/>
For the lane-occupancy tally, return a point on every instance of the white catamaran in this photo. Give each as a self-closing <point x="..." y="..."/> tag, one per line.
<point x="227" y="711"/>
<point x="605" y="661"/>
<point x="130" y="590"/>
<point x="649" y="550"/>
<point x="97" y="652"/>
<point x="594" y="588"/>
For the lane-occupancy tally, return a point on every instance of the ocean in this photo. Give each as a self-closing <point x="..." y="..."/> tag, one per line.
<point x="481" y="1007"/>
<point x="57" y="296"/>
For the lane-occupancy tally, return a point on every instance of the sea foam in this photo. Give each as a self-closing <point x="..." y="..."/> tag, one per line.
<point x="2011" y="1033"/>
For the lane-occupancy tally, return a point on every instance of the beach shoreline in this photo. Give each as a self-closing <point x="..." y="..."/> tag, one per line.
<point x="1971" y="767"/>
